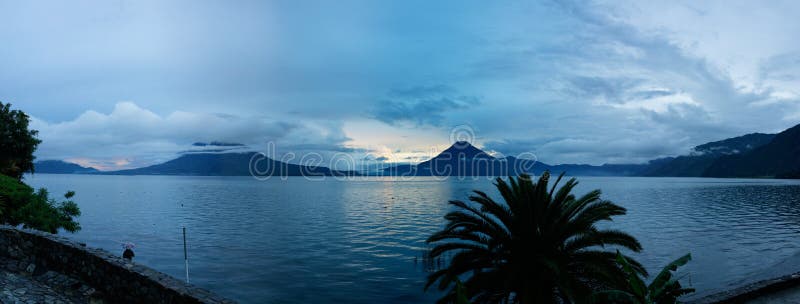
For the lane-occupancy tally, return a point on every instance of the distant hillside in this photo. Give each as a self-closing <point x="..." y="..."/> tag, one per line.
<point x="696" y="163"/>
<point x="778" y="158"/>
<point x="735" y="145"/>
<point x="682" y="166"/>
<point x="461" y="159"/>
<point x="60" y="167"/>
<point x="464" y="159"/>
<point x="751" y="155"/>
<point x="229" y="164"/>
<point x="602" y="170"/>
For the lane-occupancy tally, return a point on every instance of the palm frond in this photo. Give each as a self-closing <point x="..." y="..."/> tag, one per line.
<point x="539" y="244"/>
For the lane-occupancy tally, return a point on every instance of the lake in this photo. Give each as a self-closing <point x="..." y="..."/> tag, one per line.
<point x="361" y="241"/>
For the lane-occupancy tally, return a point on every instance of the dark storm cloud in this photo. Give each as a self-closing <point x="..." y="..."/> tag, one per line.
<point x="422" y="105"/>
<point x="421" y="111"/>
<point x="615" y="89"/>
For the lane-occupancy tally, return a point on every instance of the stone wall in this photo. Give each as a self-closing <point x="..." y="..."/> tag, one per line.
<point x="118" y="280"/>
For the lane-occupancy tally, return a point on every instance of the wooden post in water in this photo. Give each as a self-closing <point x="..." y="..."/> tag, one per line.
<point x="185" y="255"/>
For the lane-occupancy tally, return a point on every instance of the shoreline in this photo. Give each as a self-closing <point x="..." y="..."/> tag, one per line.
<point x="752" y="291"/>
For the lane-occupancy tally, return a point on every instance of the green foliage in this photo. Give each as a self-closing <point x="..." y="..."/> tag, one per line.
<point x="43" y="213"/>
<point x="20" y="205"/>
<point x="461" y="293"/>
<point x="17" y="143"/>
<point x="13" y="195"/>
<point x="664" y="289"/>
<point x="540" y="246"/>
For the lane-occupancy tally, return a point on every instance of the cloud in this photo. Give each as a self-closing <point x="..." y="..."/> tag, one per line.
<point x="579" y="150"/>
<point x="653" y="78"/>
<point x="615" y="90"/>
<point x="422" y="105"/>
<point x="423" y="91"/>
<point x="419" y="112"/>
<point x="215" y="147"/>
<point x="131" y="136"/>
<point x="620" y="91"/>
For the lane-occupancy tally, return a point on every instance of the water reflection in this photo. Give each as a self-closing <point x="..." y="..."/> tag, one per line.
<point x="298" y="241"/>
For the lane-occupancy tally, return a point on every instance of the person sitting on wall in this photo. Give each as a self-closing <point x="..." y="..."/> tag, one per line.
<point x="128" y="253"/>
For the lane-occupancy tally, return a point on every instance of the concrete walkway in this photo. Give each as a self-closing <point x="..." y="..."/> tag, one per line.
<point x="23" y="284"/>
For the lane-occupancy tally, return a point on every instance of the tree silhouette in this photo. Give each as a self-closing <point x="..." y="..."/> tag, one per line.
<point x="539" y="246"/>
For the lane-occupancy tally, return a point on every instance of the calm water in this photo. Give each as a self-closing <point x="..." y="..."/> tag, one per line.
<point x="301" y="241"/>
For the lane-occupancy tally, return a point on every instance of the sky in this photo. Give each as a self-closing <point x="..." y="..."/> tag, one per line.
<point x="124" y="84"/>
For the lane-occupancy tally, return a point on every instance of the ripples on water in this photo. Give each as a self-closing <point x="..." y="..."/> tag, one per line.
<point x="300" y="241"/>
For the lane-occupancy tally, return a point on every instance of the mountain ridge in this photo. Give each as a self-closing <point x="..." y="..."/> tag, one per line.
<point x="702" y="156"/>
<point x="749" y="155"/>
<point x="779" y="158"/>
<point x="60" y="167"/>
<point x="229" y="164"/>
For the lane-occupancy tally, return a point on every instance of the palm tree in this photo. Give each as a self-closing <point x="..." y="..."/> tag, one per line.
<point x="539" y="246"/>
<point x="664" y="289"/>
